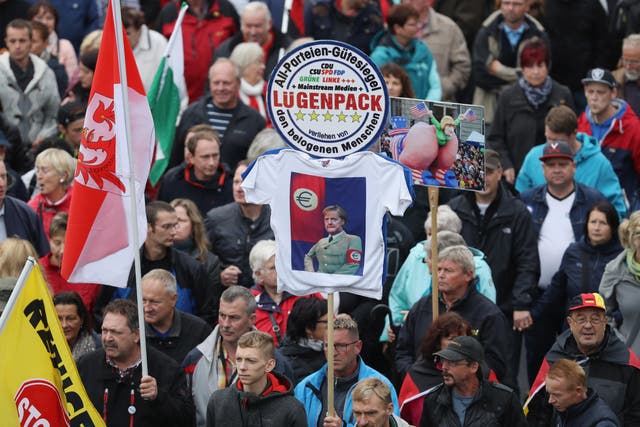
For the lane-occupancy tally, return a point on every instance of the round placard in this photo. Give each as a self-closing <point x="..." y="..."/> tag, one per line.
<point x="328" y="99"/>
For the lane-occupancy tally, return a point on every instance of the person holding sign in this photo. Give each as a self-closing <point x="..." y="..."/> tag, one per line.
<point x="339" y="252"/>
<point x="349" y="369"/>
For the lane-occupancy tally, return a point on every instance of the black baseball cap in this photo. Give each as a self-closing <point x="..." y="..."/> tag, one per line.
<point x="556" y="149"/>
<point x="600" y="75"/>
<point x="465" y="347"/>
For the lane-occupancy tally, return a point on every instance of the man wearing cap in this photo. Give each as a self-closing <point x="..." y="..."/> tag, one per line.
<point x="612" y="369"/>
<point x="592" y="167"/>
<point x="498" y="224"/>
<point x="614" y="124"/>
<point x="465" y="396"/>
<point x="559" y="210"/>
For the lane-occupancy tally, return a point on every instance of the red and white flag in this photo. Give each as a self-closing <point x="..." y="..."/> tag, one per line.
<point x="99" y="244"/>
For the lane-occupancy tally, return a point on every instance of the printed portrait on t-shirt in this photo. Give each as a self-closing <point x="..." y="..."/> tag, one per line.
<point x="328" y="224"/>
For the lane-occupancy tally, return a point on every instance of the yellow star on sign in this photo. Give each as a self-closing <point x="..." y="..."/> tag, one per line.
<point x="314" y="116"/>
<point x="299" y="115"/>
<point x="355" y="117"/>
<point x="328" y="116"/>
<point x="342" y="117"/>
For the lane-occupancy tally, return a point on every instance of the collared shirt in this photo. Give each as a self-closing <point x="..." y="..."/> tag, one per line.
<point x="513" y="35"/>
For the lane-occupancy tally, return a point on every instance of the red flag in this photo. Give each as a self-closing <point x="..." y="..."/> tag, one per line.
<point x="99" y="242"/>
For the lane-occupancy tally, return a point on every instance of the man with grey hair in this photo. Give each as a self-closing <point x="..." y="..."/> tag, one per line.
<point x="168" y="329"/>
<point x="256" y="25"/>
<point x="413" y="280"/>
<point x="349" y="368"/>
<point x="211" y="365"/>
<point x="236" y="123"/>
<point x="628" y="77"/>
<point x="456" y="275"/>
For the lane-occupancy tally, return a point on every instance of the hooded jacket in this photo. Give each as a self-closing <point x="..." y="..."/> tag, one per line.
<point x="274" y="407"/>
<point x="416" y="60"/>
<point x="621" y="291"/>
<point x="592" y="169"/>
<point x="621" y="145"/>
<point x="613" y="372"/>
<point x="34" y="110"/>
<point x="591" y="412"/>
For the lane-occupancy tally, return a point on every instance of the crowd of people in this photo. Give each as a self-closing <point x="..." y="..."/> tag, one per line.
<point x="545" y="260"/>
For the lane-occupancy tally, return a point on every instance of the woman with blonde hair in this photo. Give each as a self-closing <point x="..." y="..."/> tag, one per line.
<point x="249" y="58"/>
<point x="620" y="284"/>
<point x="55" y="170"/>
<point x="13" y="255"/>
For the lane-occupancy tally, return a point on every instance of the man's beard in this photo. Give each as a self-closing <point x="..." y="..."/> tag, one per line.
<point x="632" y="75"/>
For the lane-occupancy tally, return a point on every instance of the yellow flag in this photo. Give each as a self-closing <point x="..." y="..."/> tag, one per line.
<point x="39" y="381"/>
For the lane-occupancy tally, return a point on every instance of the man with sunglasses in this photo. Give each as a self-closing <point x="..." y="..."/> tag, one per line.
<point x="612" y="369"/>
<point x="349" y="368"/>
<point x="465" y="398"/>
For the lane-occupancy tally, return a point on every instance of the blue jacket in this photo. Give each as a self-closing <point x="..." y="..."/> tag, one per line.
<point x="416" y="60"/>
<point x="586" y="197"/>
<point x="592" y="169"/>
<point x="77" y="19"/>
<point x="580" y="271"/>
<point x="21" y="221"/>
<point x="308" y="391"/>
<point x="413" y="281"/>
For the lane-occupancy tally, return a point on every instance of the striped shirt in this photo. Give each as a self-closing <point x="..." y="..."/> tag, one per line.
<point x="218" y="118"/>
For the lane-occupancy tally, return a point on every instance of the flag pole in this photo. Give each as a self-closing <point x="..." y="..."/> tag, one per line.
<point x="330" y="351"/>
<point x="124" y="87"/>
<point x="26" y="270"/>
<point x="433" y="206"/>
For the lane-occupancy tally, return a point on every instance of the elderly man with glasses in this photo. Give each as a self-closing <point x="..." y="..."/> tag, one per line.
<point x="612" y="369"/>
<point x="349" y="368"/>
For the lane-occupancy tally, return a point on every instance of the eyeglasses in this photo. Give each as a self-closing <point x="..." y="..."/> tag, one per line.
<point x="631" y="62"/>
<point x="594" y="320"/>
<point x="339" y="347"/>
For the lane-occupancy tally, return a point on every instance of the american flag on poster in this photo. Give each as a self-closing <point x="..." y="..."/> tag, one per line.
<point x="419" y="110"/>
<point x="470" y="115"/>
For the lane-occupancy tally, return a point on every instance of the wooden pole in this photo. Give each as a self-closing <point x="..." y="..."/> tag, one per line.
<point x="433" y="206"/>
<point x="330" y="351"/>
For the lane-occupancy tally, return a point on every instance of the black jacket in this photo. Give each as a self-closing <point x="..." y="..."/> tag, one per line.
<point x="232" y="236"/>
<point x="21" y="221"/>
<point x="304" y="361"/>
<point x="508" y="239"/>
<point x="274" y="407"/>
<point x="243" y="127"/>
<point x="173" y="406"/>
<point x="180" y="182"/>
<point x="517" y="126"/>
<point x="613" y="372"/>
<point x="589" y="413"/>
<point x="492" y="43"/>
<point x="189" y="274"/>
<point x="185" y="333"/>
<point x="485" y="317"/>
<point x="495" y="405"/>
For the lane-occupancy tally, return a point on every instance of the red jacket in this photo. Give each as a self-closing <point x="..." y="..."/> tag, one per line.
<point x="46" y="210"/>
<point x="280" y="312"/>
<point x="200" y="39"/>
<point x="87" y="291"/>
<point x="621" y="145"/>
